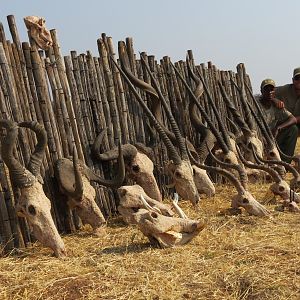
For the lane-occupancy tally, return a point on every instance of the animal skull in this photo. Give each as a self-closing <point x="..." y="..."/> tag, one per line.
<point x="140" y="170"/>
<point x="32" y="203"/>
<point x="284" y="191"/>
<point x="37" y="30"/>
<point x="74" y="181"/>
<point x="35" y="207"/>
<point x="130" y="202"/>
<point x="203" y="182"/>
<point x="246" y="200"/>
<point x="183" y="180"/>
<point x="166" y="231"/>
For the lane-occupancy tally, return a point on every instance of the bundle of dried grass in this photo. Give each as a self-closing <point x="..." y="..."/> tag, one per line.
<point x="234" y="257"/>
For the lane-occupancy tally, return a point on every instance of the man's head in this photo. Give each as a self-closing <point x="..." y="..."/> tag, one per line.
<point x="267" y="88"/>
<point x="296" y="78"/>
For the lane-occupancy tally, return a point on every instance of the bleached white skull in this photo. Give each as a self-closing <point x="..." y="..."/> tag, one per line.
<point x="38" y="31"/>
<point x="32" y="201"/>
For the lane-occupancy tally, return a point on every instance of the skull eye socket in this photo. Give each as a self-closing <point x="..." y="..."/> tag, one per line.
<point x="135" y="168"/>
<point x="245" y="201"/>
<point x="227" y="160"/>
<point x="281" y="189"/>
<point x="194" y="172"/>
<point x="178" y="174"/>
<point x="154" y="215"/>
<point x="31" y="210"/>
<point x="272" y="154"/>
<point x="122" y="193"/>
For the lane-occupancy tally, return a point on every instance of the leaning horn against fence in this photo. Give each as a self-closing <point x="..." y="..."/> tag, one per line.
<point x="74" y="179"/>
<point x="180" y="169"/>
<point x="138" y="165"/>
<point x="33" y="203"/>
<point x="243" y="198"/>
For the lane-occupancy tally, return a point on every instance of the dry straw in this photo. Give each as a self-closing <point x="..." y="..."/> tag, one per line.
<point x="234" y="257"/>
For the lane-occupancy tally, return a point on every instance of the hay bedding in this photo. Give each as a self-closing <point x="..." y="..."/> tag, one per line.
<point x="234" y="257"/>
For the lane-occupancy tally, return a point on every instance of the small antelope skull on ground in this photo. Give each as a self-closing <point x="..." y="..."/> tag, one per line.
<point x="155" y="219"/>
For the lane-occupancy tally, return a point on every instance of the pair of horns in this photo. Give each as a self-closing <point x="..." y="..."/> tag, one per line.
<point x="21" y="176"/>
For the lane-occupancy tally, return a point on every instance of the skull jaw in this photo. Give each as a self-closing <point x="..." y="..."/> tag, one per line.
<point x="90" y="213"/>
<point x="167" y="231"/>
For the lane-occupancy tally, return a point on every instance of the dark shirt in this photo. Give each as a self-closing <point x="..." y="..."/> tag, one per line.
<point x="287" y="94"/>
<point x="274" y="115"/>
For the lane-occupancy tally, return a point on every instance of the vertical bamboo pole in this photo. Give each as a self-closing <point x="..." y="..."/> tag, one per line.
<point x="123" y="109"/>
<point x="108" y="139"/>
<point x="65" y="86"/>
<point x="12" y="98"/>
<point x="137" y="111"/>
<point x="31" y="84"/>
<point x="110" y="88"/>
<point x="57" y="109"/>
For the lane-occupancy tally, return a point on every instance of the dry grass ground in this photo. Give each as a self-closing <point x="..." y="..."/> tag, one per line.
<point x="234" y="257"/>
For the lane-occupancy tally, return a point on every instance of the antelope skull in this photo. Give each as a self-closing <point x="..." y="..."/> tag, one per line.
<point x="167" y="231"/>
<point x="33" y="203"/>
<point x="139" y="167"/>
<point x="37" y="30"/>
<point x="74" y="179"/>
<point x="131" y="202"/>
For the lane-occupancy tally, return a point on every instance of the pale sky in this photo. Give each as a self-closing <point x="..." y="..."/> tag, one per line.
<point x="262" y="34"/>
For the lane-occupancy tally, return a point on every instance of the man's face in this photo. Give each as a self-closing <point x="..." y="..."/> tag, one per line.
<point x="296" y="82"/>
<point x="268" y="92"/>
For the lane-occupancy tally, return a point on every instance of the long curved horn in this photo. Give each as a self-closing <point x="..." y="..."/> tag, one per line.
<point x="276" y="177"/>
<point x="129" y="151"/>
<point x="39" y="151"/>
<point x="269" y="138"/>
<point x="239" y="187"/>
<point x="170" y="147"/>
<point x="199" y="85"/>
<point x="277" y="166"/>
<point x="175" y="128"/>
<point x="117" y="181"/>
<point x="19" y="175"/>
<point x="289" y="167"/>
<point x="149" y="89"/>
<point x="294" y="158"/>
<point x="155" y="94"/>
<point x="216" y="112"/>
<point x="206" y="136"/>
<point x="236" y="131"/>
<point x="242" y="174"/>
<point x="216" y="133"/>
<point x="235" y="113"/>
<point x="78" y="191"/>
<point x="247" y="112"/>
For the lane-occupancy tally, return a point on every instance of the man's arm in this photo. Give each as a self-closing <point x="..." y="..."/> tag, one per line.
<point x="290" y="121"/>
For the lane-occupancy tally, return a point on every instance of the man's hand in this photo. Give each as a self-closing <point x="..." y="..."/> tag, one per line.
<point x="275" y="131"/>
<point x="278" y="103"/>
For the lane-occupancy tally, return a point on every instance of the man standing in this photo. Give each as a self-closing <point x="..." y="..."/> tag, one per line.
<point x="290" y="95"/>
<point x="280" y="120"/>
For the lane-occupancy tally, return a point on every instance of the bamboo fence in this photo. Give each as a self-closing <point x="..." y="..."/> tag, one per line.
<point x="75" y="97"/>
